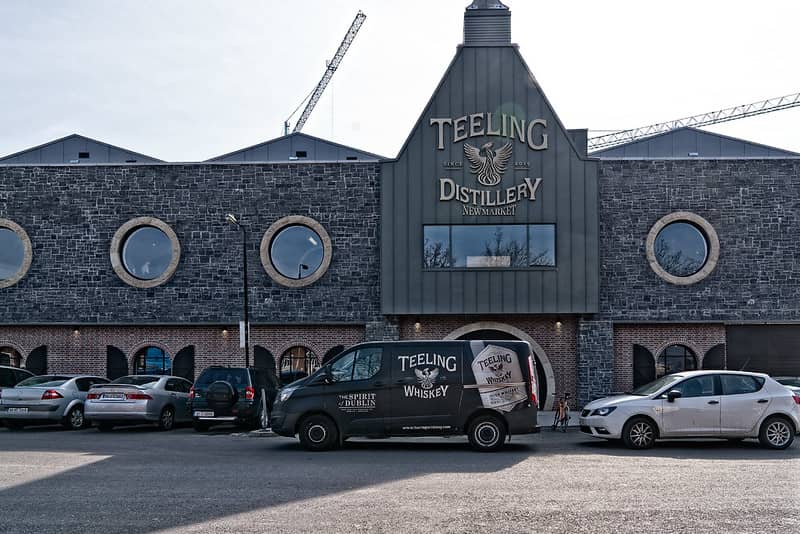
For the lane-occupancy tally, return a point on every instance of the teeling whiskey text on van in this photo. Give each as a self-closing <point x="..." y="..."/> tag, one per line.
<point x="531" y="132"/>
<point x="427" y="358"/>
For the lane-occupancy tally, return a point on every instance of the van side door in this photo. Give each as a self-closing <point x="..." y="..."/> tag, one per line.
<point x="358" y="392"/>
<point x="427" y="384"/>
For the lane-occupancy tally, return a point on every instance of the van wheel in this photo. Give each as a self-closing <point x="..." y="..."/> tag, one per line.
<point x="318" y="433"/>
<point x="776" y="433"/>
<point x="639" y="433"/>
<point x="486" y="433"/>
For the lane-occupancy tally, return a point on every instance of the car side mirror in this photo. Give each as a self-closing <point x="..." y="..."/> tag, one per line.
<point x="674" y="394"/>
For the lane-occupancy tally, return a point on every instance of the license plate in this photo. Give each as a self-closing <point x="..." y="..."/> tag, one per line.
<point x="17" y="410"/>
<point x="203" y="414"/>
<point x="113" y="396"/>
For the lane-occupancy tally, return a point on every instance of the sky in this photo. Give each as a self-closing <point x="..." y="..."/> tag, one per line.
<point x="187" y="80"/>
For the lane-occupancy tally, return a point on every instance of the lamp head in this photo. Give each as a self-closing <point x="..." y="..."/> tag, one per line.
<point x="231" y="218"/>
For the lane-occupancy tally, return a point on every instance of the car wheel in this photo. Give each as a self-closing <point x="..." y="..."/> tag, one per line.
<point x="639" y="433"/>
<point x="14" y="425"/>
<point x="318" y="433"/>
<point x="486" y="433"/>
<point x="104" y="427"/>
<point x="74" y="419"/>
<point x="201" y="427"/>
<point x="776" y="433"/>
<point x="167" y="419"/>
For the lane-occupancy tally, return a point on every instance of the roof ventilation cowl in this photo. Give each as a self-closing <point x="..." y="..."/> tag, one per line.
<point x="487" y="23"/>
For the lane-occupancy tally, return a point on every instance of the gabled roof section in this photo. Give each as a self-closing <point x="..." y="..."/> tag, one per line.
<point x="78" y="149"/>
<point x="691" y="142"/>
<point x="296" y="147"/>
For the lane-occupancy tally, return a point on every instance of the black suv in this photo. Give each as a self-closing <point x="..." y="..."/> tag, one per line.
<point x="239" y="395"/>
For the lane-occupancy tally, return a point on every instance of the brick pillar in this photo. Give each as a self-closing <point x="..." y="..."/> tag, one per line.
<point x="384" y="329"/>
<point x="595" y="359"/>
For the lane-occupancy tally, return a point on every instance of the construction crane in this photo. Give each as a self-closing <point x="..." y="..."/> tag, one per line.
<point x="332" y="65"/>
<point x="714" y="117"/>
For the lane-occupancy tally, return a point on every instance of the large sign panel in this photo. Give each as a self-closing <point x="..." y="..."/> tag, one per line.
<point x="488" y="163"/>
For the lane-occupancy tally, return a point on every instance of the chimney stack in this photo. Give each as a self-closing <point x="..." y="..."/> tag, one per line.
<point x="487" y="23"/>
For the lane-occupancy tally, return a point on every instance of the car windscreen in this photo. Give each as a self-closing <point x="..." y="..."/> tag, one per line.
<point x="236" y="377"/>
<point x="47" y="381"/>
<point x="789" y="381"/>
<point x="137" y="380"/>
<point x="652" y="387"/>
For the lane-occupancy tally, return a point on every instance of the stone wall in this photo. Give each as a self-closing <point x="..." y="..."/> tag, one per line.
<point x="754" y="207"/>
<point x="595" y="359"/>
<point x="72" y="212"/>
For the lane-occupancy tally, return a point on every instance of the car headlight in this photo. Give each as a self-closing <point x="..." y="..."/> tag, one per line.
<point x="604" y="411"/>
<point x="286" y="393"/>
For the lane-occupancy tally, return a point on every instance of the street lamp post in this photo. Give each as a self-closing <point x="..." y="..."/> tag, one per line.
<point x="234" y="221"/>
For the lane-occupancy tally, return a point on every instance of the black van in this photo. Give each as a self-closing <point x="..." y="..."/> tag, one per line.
<point x="484" y="389"/>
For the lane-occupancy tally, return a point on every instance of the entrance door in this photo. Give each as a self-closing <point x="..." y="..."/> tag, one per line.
<point x="359" y="392"/>
<point x="743" y="403"/>
<point x="426" y="388"/>
<point x="696" y="412"/>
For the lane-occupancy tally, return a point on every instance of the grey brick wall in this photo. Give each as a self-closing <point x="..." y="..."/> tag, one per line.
<point x="595" y="359"/>
<point x="72" y="212"/>
<point x="754" y="206"/>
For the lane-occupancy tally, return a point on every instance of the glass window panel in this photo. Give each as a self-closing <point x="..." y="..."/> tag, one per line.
<point x="542" y="245"/>
<point x="152" y="361"/>
<point x="478" y="246"/>
<point x="342" y="369"/>
<point x="147" y="253"/>
<point x="739" y="384"/>
<point x="368" y="363"/>
<point x="700" y="386"/>
<point x="296" y="252"/>
<point x="681" y="249"/>
<point x="12" y="253"/>
<point x="436" y="252"/>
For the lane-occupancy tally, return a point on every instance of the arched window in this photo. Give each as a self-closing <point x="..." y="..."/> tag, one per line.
<point x="674" y="359"/>
<point x="297" y="362"/>
<point x="152" y="361"/>
<point x="10" y="356"/>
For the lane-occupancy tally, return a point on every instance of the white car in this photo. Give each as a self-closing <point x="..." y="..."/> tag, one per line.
<point x="698" y="404"/>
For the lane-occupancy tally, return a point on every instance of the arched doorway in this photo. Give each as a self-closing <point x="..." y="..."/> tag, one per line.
<point x="152" y="361"/>
<point x="644" y="366"/>
<point x="37" y="361"/>
<point x="116" y="363"/>
<point x="715" y="357"/>
<point x="333" y="351"/>
<point x="545" y="377"/>
<point x="183" y="364"/>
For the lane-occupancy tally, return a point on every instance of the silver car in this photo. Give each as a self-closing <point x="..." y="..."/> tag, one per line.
<point x="48" y="399"/>
<point x="732" y="405"/>
<point x="137" y="399"/>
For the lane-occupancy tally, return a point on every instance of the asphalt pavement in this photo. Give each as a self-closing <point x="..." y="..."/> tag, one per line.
<point x="142" y="480"/>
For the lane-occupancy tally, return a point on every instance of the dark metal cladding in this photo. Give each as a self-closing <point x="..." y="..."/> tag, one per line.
<point x="487" y="23"/>
<point x="488" y="95"/>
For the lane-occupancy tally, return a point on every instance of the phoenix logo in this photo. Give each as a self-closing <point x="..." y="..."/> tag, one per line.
<point x="490" y="167"/>
<point x="497" y="369"/>
<point x="426" y="377"/>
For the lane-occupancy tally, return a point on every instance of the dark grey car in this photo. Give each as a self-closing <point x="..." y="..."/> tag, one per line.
<point x="139" y="399"/>
<point x="48" y="399"/>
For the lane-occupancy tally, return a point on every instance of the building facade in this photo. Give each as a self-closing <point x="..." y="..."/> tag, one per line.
<point x="671" y="253"/>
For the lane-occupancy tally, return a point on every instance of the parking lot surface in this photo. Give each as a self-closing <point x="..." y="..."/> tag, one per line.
<point x="142" y="480"/>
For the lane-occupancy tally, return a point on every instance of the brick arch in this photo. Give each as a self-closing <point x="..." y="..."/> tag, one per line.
<point x="286" y="346"/>
<point x="140" y="346"/>
<point x="22" y="352"/>
<point x="698" y="352"/>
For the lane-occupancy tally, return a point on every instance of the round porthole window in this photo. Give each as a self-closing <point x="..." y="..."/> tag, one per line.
<point x="145" y="252"/>
<point x="682" y="248"/>
<point x="15" y="253"/>
<point x="296" y="251"/>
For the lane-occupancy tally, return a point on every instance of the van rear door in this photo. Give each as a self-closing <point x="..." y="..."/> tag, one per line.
<point x="426" y="388"/>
